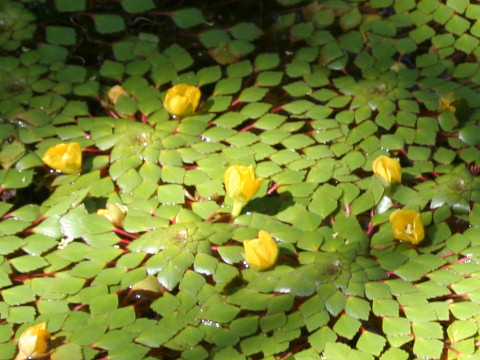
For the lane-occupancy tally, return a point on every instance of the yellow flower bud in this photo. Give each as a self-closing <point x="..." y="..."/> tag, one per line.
<point x="241" y="185"/>
<point x="388" y="168"/>
<point x="34" y="341"/>
<point x="64" y="157"/>
<point x="115" y="92"/>
<point x="261" y="253"/>
<point x="407" y="226"/>
<point x="115" y="213"/>
<point x="182" y="99"/>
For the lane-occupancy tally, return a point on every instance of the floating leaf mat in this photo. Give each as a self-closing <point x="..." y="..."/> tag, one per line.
<point x="310" y="93"/>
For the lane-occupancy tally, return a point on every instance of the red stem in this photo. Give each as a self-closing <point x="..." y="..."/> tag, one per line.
<point x="273" y="188"/>
<point x="452" y="349"/>
<point x="124" y="233"/>
<point x="94" y="151"/>
<point x="113" y="114"/>
<point x="210" y="218"/>
<point x="246" y="128"/>
<point x="370" y="228"/>
<point x="462" y="260"/>
<point x="125" y="241"/>
<point x="447" y="254"/>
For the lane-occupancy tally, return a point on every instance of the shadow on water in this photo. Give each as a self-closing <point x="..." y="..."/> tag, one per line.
<point x="270" y="205"/>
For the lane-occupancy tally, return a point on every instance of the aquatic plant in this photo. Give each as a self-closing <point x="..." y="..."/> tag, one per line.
<point x="307" y="93"/>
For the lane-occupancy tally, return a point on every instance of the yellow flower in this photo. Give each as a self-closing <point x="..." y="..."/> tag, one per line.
<point x="446" y="104"/>
<point x="182" y="99"/>
<point x="241" y="185"/>
<point x="64" y="157"/>
<point x="115" y="213"/>
<point x="388" y="168"/>
<point x="261" y="253"/>
<point x="407" y="226"/>
<point x="34" y="341"/>
<point x="115" y="92"/>
<point x="240" y="182"/>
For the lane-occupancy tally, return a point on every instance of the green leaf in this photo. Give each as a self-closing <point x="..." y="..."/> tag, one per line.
<point x="394" y="354"/>
<point x="252" y="345"/>
<point x="170" y="276"/>
<point x="106" y="24"/>
<point x="171" y="194"/>
<point x="385" y="28"/>
<point x="460" y="330"/>
<point x="221" y="313"/>
<point x="21" y="314"/>
<point x="205" y="264"/>
<point x="428" y="347"/>
<point x="357" y="308"/>
<point x="70" y="5"/>
<point x="121" y="317"/>
<point x="70" y="351"/>
<point x="347" y="326"/>
<point x="239" y="69"/>
<point x="112" y="69"/>
<point x="155" y="336"/>
<point x="209" y="75"/>
<point x="464" y="310"/>
<point x="61" y="35"/>
<point x="324" y="338"/>
<point x="385" y="307"/>
<point x="128" y="351"/>
<point x="87" y="334"/>
<point x="371" y="343"/>
<point x="68" y="285"/>
<point x="335" y="303"/>
<point x="422" y="33"/>
<point x="137" y="6"/>
<point x="6" y="332"/>
<point x="323" y="205"/>
<point x="470" y="135"/>
<point x="252" y="94"/>
<point x="11" y="152"/>
<point x="266" y="61"/>
<point x="15" y="179"/>
<point x="103" y="304"/>
<point x="246" y="31"/>
<point x="18" y="295"/>
<point x="227" y="86"/>
<point x="427" y="329"/>
<point x="457" y="25"/>
<point x="350" y="19"/>
<point x="188" y="17"/>
<point x="231" y="254"/>
<point x="115" y="338"/>
<point x="9" y="244"/>
<point x="213" y="37"/>
<point x="362" y="203"/>
<point x="189" y="337"/>
<point x="321" y="172"/>
<point x="27" y="263"/>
